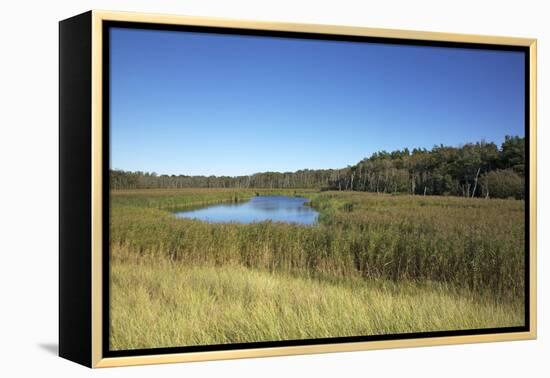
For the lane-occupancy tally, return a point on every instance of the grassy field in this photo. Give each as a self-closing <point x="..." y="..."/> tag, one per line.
<point x="375" y="264"/>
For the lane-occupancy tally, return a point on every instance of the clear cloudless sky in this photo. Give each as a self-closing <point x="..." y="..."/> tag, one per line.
<point x="211" y="104"/>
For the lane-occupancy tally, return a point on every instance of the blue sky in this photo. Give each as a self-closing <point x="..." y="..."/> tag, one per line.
<point x="208" y="104"/>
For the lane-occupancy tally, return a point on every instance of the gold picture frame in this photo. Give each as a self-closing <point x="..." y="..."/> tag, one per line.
<point x="82" y="42"/>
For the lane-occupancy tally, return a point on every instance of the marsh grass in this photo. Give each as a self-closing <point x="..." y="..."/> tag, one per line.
<point x="161" y="303"/>
<point x="375" y="264"/>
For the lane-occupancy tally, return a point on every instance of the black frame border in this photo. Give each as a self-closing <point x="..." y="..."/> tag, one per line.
<point x="106" y="25"/>
<point x="75" y="189"/>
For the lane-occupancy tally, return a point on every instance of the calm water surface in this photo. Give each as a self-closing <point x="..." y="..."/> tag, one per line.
<point x="258" y="209"/>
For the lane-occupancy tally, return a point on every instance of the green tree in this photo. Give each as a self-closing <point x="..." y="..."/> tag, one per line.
<point x="503" y="183"/>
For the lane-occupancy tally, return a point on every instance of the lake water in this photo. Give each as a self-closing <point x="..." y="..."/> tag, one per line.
<point x="258" y="209"/>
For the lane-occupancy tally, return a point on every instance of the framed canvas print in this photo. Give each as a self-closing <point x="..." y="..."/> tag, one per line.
<point x="235" y="189"/>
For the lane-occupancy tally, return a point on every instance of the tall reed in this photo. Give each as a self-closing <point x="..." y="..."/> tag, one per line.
<point x="475" y="244"/>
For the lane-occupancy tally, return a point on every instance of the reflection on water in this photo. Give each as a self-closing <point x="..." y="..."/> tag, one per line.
<point x="258" y="209"/>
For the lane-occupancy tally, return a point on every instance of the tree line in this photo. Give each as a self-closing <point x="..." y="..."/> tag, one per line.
<point x="480" y="169"/>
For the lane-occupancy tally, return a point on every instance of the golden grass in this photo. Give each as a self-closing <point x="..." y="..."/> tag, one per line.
<point x="158" y="303"/>
<point x="376" y="264"/>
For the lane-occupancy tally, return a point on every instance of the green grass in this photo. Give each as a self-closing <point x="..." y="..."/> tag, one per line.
<point x="375" y="264"/>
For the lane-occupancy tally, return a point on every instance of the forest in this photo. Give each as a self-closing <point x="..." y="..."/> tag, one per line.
<point x="480" y="169"/>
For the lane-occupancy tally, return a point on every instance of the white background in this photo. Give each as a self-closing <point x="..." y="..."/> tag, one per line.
<point x="29" y="189"/>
